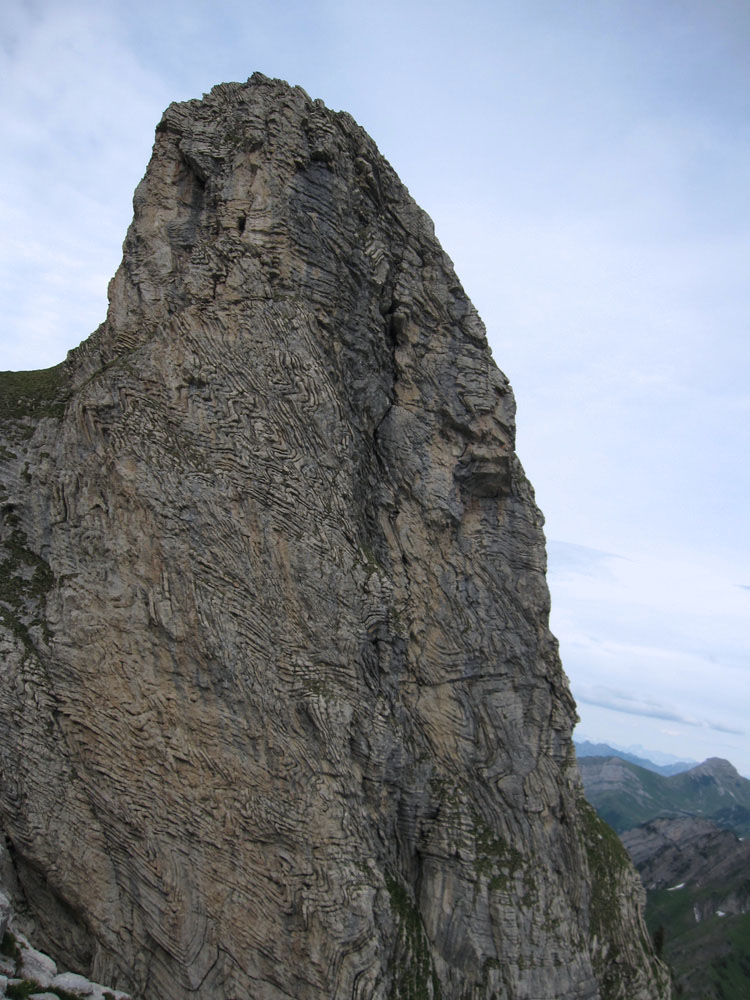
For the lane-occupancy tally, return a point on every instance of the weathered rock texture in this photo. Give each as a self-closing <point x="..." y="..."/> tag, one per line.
<point x="282" y="716"/>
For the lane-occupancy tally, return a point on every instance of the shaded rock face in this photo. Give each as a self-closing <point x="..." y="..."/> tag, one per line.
<point x="284" y="716"/>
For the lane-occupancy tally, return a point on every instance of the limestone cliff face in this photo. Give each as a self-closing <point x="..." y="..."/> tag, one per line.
<point x="281" y="713"/>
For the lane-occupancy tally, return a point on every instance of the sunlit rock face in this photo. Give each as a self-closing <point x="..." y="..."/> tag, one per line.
<point x="282" y="716"/>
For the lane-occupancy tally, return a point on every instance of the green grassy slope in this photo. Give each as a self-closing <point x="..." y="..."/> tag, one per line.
<point x="709" y="958"/>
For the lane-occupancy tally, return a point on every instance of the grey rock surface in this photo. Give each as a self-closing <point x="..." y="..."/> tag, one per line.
<point x="284" y="714"/>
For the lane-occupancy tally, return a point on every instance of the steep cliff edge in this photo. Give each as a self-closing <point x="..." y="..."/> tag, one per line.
<point x="282" y="716"/>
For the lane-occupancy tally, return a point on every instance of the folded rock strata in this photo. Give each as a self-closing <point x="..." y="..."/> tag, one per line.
<point x="282" y="716"/>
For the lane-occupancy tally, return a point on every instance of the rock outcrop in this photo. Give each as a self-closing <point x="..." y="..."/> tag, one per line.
<point x="282" y="716"/>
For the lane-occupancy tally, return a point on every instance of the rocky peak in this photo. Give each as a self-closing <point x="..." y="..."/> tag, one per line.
<point x="718" y="768"/>
<point x="284" y="714"/>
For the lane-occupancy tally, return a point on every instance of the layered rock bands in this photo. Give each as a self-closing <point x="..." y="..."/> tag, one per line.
<point x="281" y="713"/>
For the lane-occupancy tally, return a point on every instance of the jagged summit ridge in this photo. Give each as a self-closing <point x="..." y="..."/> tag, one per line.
<point x="285" y="715"/>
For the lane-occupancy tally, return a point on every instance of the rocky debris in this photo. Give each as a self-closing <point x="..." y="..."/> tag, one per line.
<point x="286" y="718"/>
<point x="23" y="967"/>
<point x="35" y="965"/>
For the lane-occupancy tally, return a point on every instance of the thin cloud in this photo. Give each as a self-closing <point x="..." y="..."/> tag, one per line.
<point x="617" y="702"/>
<point x="567" y="559"/>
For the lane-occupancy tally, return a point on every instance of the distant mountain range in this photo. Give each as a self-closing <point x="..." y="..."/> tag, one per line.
<point x="626" y="794"/>
<point x="684" y="833"/>
<point x="588" y="749"/>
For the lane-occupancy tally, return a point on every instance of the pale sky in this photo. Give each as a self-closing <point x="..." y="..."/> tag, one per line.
<point x="585" y="163"/>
